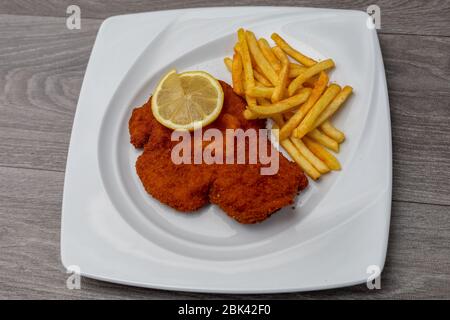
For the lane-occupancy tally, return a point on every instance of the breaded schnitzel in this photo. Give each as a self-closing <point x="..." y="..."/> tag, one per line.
<point x="239" y="189"/>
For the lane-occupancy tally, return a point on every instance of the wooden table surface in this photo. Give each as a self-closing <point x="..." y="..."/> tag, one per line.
<point x="42" y="64"/>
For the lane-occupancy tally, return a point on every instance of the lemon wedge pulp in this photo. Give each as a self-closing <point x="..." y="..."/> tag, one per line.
<point x="187" y="100"/>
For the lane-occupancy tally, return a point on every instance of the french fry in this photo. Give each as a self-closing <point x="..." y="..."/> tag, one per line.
<point x="322" y="154"/>
<point x="277" y="118"/>
<point x="283" y="105"/>
<point x="262" y="79"/>
<point x="310" y="119"/>
<point x="282" y="57"/>
<point x="259" y="84"/>
<point x="251" y="115"/>
<point x="237" y="48"/>
<point x="332" y="131"/>
<point x="249" y="80"/>
<point x="304" y="60"/>
<point x="248" y="115"/>
<point x="311" y="157"/>
<point x="310" y="72"/>
<point x="295" y="70"/>
<point x="236" y="74"/>
<point x="268" y="53"/>
<point x="295" y="120"/>
<point x="280" y="89"/>
<point x="324" y="140"/>
<point x="337" y="102"/>
<point x="257" y="74"/>
<point x="260" y="60"/>
<point x="308" y="83"/>
<point x="306" y="166"/>
<point x="261" y="92"/>
<point x="228" y="63"/>
<point x="297" y="156"/>
<point x="263" y="101"/>
<point x="251" y="101"/>
<point x="294" y="73"/>
<point x="311" y="82"/>
<point x="293" y="65"/>
<point x="296" y="66"/>
<point x="246" y="61"/>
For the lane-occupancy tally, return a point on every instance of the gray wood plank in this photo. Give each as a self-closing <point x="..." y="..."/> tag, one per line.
<point x="42" y="66"/>
<point x="406" y="17"/>
<point x="417" y="264"/>
<point x="419" y="90"/>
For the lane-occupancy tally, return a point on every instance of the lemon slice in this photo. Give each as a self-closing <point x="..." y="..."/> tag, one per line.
<point x="188" y="100"/>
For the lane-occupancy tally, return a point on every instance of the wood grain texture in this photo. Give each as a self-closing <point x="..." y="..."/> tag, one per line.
<point x="419" y="90"/>
<point x="417" y="263"/>
<point x="42" y="65"/>
<point x="400" y="16"/>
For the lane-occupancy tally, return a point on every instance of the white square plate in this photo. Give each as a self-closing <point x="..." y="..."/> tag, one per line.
<point x="114" y="231"/>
